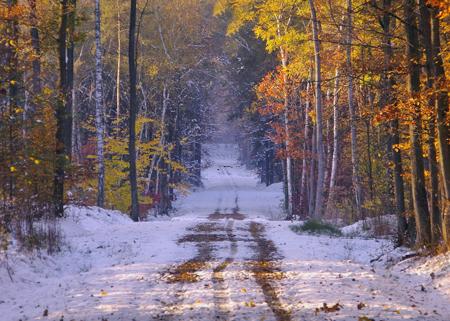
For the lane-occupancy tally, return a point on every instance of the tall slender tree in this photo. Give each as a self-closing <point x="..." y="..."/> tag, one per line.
<point x="442" y="110"/>
<point x="318" y="208"/>
<point x="99" y="106"/>
<point x="419" y="195"/>
<point x="61" y="114"/>
<point x="352" y="111"/>
<point x="132" y="113"/>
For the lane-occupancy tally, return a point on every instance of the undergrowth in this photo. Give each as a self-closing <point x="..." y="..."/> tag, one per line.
<point x="316" y="227"/>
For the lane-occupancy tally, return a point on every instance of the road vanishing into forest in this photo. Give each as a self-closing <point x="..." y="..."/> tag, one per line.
<point x="226" y="256"/>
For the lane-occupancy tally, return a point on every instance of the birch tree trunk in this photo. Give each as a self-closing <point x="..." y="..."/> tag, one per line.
<point x="335" y="157"/>
<point x="287" y="138"/>
<point x="351" y="107"/>
<point x="304" y="186"/>
<point x="99" y="108"/>
<point x="319" y="131"/>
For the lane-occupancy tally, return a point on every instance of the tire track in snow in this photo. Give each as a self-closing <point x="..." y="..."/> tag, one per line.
<point x="222" y="295"/>
<point x="266" y="271"/>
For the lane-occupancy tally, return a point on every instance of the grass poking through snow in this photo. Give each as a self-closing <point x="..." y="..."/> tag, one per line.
<point x="316" y="227"/>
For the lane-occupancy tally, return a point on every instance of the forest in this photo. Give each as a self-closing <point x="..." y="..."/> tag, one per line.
<point x="338" y="110"/>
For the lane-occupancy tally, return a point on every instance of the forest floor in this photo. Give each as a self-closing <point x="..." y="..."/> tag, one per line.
<point x="225" y="256"/>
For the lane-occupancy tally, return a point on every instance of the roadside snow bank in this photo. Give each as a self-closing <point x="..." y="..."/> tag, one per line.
<point x="382" y="226"/>
<point x="428" y="274"/>
<point x="84" y="220"/>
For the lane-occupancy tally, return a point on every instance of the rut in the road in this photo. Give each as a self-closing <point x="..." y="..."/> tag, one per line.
<point x="264" y="265"/>
<point x="266" y="271"/>
<point x="221" y="292"/>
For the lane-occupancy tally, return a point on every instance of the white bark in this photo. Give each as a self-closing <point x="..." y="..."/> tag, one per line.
<point x="335" y="158"/>
<point x="351" y="107"/>
<point x="156" y="158"/>
<point x="99" y="113"/>
<point x="319" y="130"/>
<point x="284" y="61"/>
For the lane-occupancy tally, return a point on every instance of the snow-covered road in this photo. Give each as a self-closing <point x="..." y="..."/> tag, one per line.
<point x="224" y="257"/>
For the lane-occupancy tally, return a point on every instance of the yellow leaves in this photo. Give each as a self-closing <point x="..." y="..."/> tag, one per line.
<point x="402" y="147"/>
<point x="47" y="91"/>
<point x="250" y="304"/>
<point x="12" y="169"/>
<point x="244" y="290"/>
<point x="152" y="71"/>
<point x="35" y="160"/>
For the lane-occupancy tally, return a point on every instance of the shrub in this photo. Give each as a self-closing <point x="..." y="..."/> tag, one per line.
<point x="316" y="227"/>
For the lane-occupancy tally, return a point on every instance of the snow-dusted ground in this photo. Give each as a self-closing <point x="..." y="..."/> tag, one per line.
<point x="223" y="257"/>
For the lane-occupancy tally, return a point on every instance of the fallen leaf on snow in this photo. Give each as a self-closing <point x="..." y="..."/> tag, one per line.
<point x="325" y="308"/>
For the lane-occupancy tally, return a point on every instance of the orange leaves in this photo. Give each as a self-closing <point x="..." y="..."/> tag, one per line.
<point x="443" y="5"/>
<point x="270" y="93"/>
<point x="13" y="12"/>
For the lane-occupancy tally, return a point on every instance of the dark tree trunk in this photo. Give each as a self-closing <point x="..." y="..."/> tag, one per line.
<point x="36" y="85"/>
<point x="69" y="99"/>
<point x="61" y="116"/>
<point x="419" y="194"/>
<point x="394" y="139"/>
<point x="132" y="113"/>
<point x="441" y="105"/>
<point x="425" y="37"/>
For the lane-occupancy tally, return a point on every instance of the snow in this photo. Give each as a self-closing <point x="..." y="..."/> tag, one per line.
<point x="250" y="267"/>
<point x="382" y="226"/>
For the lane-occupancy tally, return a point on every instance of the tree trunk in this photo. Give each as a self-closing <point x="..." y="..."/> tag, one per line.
<point x="61" y="116"/>
<point x="132" y="113"/>
<point x="351" y="107"/>
<point x="425" y="37"/>
<point x="394" y="140"/>
<point x="319" y="131"/>
<point x="36" y="85"/>
<point x="307" y="154"/>
<point x="441" y="106"/>
<point x="419" y="194"/>
<point x="335" y="157"/>
<point x="99" y="108"/>
<point x="70" y="54"/>
<point x="287" y="138"/>
<point x="119" y="57"/>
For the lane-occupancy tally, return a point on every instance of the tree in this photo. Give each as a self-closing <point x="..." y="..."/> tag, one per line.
<point x="61" y="115"/>
<point x="419" y="196"/>
<point x="99" y="114"/>
<point x="442" y="111"/>
<point x="132" y="113"/>
<point x="352" y="111"/>
<point x="319" y="131"/>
